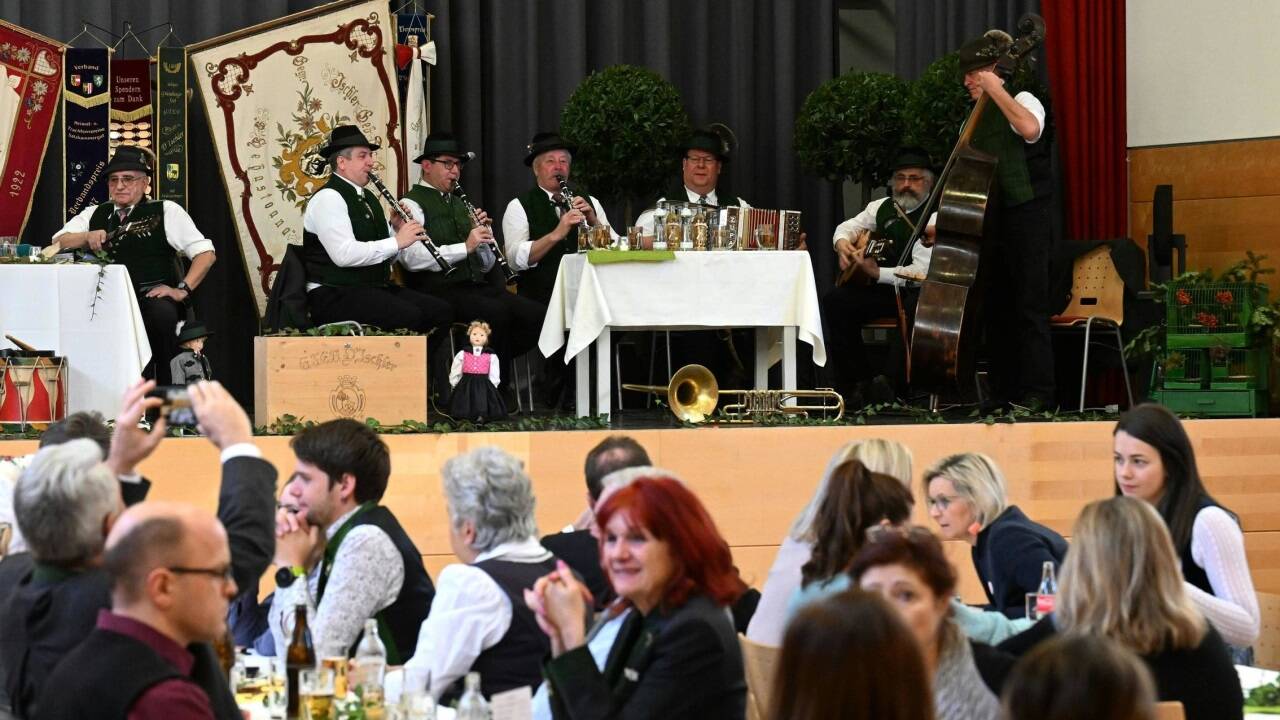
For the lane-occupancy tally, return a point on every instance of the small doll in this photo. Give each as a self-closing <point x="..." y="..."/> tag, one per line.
<point x="474" y="378"/>
<point x="190" y="365"/>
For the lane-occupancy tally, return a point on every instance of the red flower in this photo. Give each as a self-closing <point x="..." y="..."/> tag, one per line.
<point x="1225" y="297"/>
<point x="1184" y="297"/>
<point x="1208" y="320"/>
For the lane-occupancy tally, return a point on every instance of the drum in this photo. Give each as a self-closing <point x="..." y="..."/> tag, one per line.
<point x="33" y="388"/>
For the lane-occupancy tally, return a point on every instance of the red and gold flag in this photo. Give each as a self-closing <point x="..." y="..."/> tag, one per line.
<point x="30" y="78"/>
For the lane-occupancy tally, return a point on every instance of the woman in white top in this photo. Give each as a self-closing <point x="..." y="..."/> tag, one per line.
<point x="1154" y="461"/>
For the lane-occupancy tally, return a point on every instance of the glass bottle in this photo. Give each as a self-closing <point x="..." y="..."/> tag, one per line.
<point x="686" y="228"/>
<point x="300" y="655"/>
<point x="660" y="226"/>
<point x="368" y="670"/>
<point x="472" y="705"/>
<point x="1047" y="593"/>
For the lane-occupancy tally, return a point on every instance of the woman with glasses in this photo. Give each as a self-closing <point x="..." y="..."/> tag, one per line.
<point x="908" y="568"/>
<point x="1121" y="581"/>
<point x="968" y="499"/>
<point x="1154" y="462"/>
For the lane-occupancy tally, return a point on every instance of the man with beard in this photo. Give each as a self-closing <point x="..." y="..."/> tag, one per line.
<point x="869" y="247"/>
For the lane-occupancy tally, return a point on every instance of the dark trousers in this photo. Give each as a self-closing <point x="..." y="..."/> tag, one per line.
<point x="388" y="308"/>
<point x="1017" y="303"/>
<point x="515" y="321"/>
<point x="160" y="317"/>
<point x="845" y="309"/>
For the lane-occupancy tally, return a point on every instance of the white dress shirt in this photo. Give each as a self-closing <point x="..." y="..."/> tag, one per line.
<point x="515" y="229"/>
<point x="179" y="230"/>
<point x="1035" y="107"/>
<point x="645" y="221"/>
<point x="469" y="615"/>
<point x="866" y="220"/>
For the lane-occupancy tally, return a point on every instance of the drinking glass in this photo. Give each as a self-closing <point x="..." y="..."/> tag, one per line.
<point x="765" y="239"/>
<point x="315" y="693"/>
<point x="634" y="234"/>
<point x="647" y="241"/>
<point x="8" y="246"/>
<point x="335" y="659"/>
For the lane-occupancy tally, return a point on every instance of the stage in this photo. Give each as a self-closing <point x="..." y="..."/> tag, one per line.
<point x="755" y="479"/>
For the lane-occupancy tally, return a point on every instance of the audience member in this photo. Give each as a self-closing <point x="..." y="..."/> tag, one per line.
<point x="850" y="656"/>
<point x="968" y="499"/>
<point x="357" y="560"/>
<point x="479" y="621"/>
<point x="676" y="654"/>
<point x="171" y="580"/>
<point x="1079" y="677"/>
<point x="908" y="567"/>
<point x="579" y="547"/>
<point x="857" y="499"/>
<point x="1154" y="462"/>
<point x="1121" y="581"/>
<point x="883" y="456"/>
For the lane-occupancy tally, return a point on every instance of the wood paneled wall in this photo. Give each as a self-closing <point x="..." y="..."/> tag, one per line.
<point x="755" y="480"/>
<point x="1226" y="198"/>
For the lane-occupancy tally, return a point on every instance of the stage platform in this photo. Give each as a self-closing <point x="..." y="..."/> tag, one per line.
<point x="755" y="479"/>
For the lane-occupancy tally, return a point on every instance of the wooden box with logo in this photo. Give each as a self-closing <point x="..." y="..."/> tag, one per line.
<point x="324" y="378"/>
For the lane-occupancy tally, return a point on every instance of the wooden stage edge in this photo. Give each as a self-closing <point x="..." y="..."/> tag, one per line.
<point x="755" y="480"/>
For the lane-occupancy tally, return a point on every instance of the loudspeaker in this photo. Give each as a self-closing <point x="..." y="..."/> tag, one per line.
<point x="1161" y="247"/>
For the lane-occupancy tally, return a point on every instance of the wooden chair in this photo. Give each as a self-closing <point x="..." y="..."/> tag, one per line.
<point x="1171" y="710"/>
<point x="760" y="662"/>
<point x="1266" y="649"/>
<point x="1097" y="298"/>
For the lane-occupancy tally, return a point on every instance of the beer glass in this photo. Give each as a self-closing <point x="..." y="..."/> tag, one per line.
<point x="634" y="238"/>
<point x="765" y="238"/>
<point x="336" y="660"/>
<point x="315" y="693"/>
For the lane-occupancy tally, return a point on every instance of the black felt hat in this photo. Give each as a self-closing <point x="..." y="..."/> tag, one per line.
<point x="911" y="157"/>
<point x="983" y="51"/>
<point x="343" y="137"/>
<point x="129" y="157"/>
<point x="708" y="140"/>
<point x="193" y="330"/>
<point x="443" y="143"/>
<point x="546" y="142"/>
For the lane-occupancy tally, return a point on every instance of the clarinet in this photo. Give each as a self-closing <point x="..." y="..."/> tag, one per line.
<point x="423" y="238"/>
<point x="510" y="275"/>
<point x="583" y="227"/>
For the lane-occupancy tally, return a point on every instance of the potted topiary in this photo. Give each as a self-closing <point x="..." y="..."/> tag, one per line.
<point x="849" y="127"/>
<point x="628" y="123"/>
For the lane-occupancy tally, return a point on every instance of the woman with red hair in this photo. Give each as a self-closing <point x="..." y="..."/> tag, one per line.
<point x="676" y="655"/>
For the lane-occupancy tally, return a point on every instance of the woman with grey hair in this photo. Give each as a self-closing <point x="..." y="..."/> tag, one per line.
<point x="478" y="620"/>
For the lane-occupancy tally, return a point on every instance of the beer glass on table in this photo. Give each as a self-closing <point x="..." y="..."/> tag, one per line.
<point x="315" y="694"/>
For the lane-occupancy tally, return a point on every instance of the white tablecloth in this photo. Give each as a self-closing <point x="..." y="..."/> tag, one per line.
<point x="773" y="291"/>
<point x="48" y="306"/>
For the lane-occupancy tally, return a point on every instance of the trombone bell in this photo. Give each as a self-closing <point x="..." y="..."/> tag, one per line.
<point x="693" y="394"/>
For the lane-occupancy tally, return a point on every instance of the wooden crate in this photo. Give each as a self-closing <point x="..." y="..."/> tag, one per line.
<point x="323" y="378"/>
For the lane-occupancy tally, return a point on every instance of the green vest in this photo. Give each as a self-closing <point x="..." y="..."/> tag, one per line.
<point x="447" y="222"/>
<point x="894" y="231"/>
<point x="147" y="255"/>
<point x="368" y="223"/>
<point x="993" y="135"/>
<point x="538" y="281"/>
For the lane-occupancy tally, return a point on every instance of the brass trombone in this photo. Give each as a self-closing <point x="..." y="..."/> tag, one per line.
<point x="693" y="394"/>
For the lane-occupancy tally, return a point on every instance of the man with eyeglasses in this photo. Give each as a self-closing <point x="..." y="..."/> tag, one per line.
<point x="147" y="234"/>
<point x="704" y="155"/>
<point x="870" y="246"/>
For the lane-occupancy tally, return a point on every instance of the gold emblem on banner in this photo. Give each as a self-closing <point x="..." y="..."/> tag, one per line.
<point x="300" y="171"/>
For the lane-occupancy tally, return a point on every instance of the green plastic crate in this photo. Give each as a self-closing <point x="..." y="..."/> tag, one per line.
<point x="1211" y="315"/>
<point x="1217" y="403"/>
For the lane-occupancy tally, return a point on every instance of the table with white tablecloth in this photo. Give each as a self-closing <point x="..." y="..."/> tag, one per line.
<point x="51" y="308"/>
<point x="773" y="292"/>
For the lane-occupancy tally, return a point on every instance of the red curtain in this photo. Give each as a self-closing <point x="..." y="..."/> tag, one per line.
<point x="1085" y="51"/>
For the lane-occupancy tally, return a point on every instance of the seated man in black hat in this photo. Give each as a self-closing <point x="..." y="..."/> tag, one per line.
<point x="474" y="289"/>
<point x="869" y="247"/>
<point x="348" y="247"/>
<point x="144" y="235"/>
<point x="705" y="154"/>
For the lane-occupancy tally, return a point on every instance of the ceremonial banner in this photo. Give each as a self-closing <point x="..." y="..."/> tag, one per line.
<point x="171" y="125"/>
<point x="414" y="39"/>
<point x="131" y="103"/>
<point x="273" y="92"/>
<point x="86" y="102"/>
<point x="30" y="75"/>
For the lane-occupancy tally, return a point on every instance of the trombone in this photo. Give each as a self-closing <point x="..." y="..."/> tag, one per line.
<point x="693" y="395"/>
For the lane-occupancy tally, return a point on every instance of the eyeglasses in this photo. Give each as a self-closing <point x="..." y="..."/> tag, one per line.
<point x="448" y="164"/>
<point x="913" y="533"/>
<point x="223" y="573"/>
<point x="124" y="179"/>
<point x="942" y="502"/>
<point x="899" y="178"/>
<point x="701" y="161"/>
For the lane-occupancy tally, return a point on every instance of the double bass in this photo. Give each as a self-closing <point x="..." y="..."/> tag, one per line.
<point x="949" y="308"/>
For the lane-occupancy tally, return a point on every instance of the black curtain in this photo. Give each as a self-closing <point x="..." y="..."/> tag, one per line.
<point x="505" y="69"/>
<point x="928" y="29"/>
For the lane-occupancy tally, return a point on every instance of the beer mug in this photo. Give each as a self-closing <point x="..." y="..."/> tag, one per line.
<point x="765" y="238"/>
<point x="634" y="238"/>
<point x="315" y="693"/>
<point x="601" y="237"/>
<point x="722" y="240"/>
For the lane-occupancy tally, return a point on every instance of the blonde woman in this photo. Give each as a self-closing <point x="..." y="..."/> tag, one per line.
<point x="1121" y="581"/>
<point x="968" y="499"/>
<point x="769" y="621"/>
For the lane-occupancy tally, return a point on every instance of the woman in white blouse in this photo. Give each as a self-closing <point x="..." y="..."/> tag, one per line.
<point x="1154" y="461"/>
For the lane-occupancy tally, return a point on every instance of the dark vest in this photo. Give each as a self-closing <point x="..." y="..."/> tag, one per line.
<point x="677" y="192"/>
<point x="1191" y="572"/>
<point x="894" y="233"/>
<point x="147" y="255"/>
<point x="516" y="659"/>
<point x="537" y="282"/>
<point x="102" y="678"/>
<point x="1023" y="170"/>
<point x="447" y="223"/>
<point x="368" y="223"/>
<point x="399" y="622"/>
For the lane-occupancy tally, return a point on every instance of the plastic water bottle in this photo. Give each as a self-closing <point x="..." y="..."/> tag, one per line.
<point x="472" y="705"/>
<point x="369" y="668"/>
<point x="1047" y="593"/>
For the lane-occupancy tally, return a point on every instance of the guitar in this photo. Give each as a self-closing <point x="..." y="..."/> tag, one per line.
<point x="127" y="228"/>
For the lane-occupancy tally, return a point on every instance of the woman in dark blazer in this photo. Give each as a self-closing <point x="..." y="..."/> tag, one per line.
<point x="676" y="655"/>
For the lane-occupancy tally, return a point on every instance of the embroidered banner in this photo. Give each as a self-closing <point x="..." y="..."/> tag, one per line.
<point x="273" y="92"/>
<point x="131" y="103"/>
<point x="86" y="102"/>
<point x="413" y="39"/>
<point x="30" y="75"/>
<point x="171" y="125"/>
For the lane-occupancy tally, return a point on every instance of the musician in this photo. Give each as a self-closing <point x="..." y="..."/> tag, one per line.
<point x="1018" y="301"/>
<point x="704" y="155"/>
<point x="869" y="246"/>
<point x="348" y="247"/>
<point x="147" y="247"/>
<point x="473" y="290"/>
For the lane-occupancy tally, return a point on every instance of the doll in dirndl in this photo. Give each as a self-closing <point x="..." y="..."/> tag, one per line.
<point x="474" y="378"/>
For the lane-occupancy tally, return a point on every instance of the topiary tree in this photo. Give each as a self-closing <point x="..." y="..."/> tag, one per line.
<point x="628" y="123"/>
<point x="849" y="127"/>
